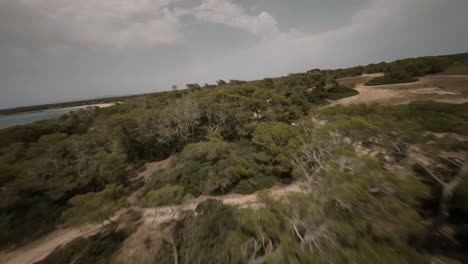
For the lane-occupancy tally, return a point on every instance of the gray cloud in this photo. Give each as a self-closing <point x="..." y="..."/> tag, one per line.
<point x="116" y="23"/>
<point x="233" y="15"/>
<point x="55" y="50"/>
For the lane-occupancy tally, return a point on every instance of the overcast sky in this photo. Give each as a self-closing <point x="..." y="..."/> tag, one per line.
<point x="62" y="50"/>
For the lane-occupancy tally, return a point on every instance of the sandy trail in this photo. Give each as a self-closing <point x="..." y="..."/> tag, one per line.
<point x="405" y="92"/>
<point x="38" y="250"/>
<point x="144" y="244"/>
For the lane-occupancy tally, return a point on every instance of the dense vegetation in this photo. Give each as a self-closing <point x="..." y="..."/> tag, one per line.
<point x="368" y="187"/>
<point x="407" y="70"/>
<point x="392" y="77"/>
<point x="45" y="164"/>
<point x="413" y="66"/>
<point x="354" y="209"/>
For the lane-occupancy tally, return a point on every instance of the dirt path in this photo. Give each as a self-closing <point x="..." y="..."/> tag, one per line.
<point x="144" y="244"/>
<point x="38" y="250"/>
<point x="441" y="88"/>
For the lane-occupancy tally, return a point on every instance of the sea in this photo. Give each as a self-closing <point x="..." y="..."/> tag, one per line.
<point x="31" y="117"/>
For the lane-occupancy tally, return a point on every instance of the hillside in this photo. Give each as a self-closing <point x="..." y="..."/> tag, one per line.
<point x="313" y="167"/>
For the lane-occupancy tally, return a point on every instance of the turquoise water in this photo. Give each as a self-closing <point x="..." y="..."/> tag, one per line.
<point x="31" y="117"/>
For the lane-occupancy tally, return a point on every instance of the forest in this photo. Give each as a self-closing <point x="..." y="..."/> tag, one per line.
<point x="379" y="183"/>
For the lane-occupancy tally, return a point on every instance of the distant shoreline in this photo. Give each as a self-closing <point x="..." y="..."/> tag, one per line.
<point x="24" y="118"/>
<point x="83" y="103"/>
<point x="99" y="105"/>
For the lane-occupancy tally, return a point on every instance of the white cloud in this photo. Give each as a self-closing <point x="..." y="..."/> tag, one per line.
<point x="122" y="23"/>
<point x="235" y="16"/>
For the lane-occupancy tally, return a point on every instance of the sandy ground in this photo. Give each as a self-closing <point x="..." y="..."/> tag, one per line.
<point x="39" y="249"/>
<point x="441" y="88"/>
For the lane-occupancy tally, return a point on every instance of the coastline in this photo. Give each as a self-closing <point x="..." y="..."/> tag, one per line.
<point x="24" y="118"/>
<point x="100" y="105"/>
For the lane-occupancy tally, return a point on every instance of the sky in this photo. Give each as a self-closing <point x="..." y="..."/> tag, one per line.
<point x="65" y="50"/>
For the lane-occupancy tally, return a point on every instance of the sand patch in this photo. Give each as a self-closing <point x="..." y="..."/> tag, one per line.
<point x="432" y="90"/>
<point x="443" y="88"/>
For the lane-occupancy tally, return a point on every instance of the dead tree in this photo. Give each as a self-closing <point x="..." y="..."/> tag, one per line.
<point x="448" y="189"/>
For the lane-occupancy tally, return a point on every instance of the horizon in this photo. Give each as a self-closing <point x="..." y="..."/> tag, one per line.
<point x="183" y="87"/>
<point x="62" y="51"/>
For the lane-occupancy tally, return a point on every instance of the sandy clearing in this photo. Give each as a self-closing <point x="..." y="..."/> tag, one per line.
<point x="441" y="88"/>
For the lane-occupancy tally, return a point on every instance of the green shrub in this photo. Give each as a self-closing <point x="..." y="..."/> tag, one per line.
<point x="97" y="249"/>
<point x="251" y="185"/>
<point x="384" y="80"/>
<point x="339" y="92"/>
<point x="170" y="194"/>
<point x="393" y="77"/>
<point x="201" y="237"/>
<point x="95" y="206"/>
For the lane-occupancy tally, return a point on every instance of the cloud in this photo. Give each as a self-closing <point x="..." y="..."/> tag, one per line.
<point x="114" y="23"/>
<point x="56" y="50"/>
<point x="384" y="30"/>
<point x="235" y="16"/>
<point x="120" y="23"/>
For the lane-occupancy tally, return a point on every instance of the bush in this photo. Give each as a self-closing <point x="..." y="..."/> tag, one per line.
<point x="97" y="249"/>
<point x="251" y="185"/>
<point x="339" y="92"/>
<point x="170" y="194"/>
<point x="200" y="237"/>
<point x="394" y="77"/>
<point x="95" y="206"/>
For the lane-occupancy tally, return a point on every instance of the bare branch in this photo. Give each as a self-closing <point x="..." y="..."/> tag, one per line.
<point x="432" y="174"/>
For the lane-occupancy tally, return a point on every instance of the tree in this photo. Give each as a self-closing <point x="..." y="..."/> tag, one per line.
<point x="193" y="86"/>
<point x="449" y="185"/>
<point x="280" y="141"/>
<point x="174" y="88"/>
<point x="317" y="81"/>
<point x="200" y="237"/>
<point x="221" y="82"/>
<point x="275" y="136"/>
<point x="170" y="194"/>
<point x="179" y="120"/>
<point x="353" y="209"/>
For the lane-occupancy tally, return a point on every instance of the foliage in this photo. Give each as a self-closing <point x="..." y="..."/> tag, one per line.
<point x="393" y="77"/>
<point x="201" y="238"/>
<point x="95" y="206"/>
<point x="164" y="196"/>
<point x="414" y="66"/>
<point x="354" y="210"/>
<point x="419" y="116"/>
<point x="218" y="167"/>
<point x="339" y="92"/>
<point x="96" y="249"/>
